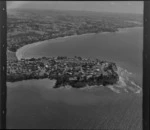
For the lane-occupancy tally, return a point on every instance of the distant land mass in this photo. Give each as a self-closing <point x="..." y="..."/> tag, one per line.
<point x="29" y="26"/>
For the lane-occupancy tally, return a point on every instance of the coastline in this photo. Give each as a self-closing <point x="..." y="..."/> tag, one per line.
<point x="123" y="83"/>
<point x="20" y="52"/>
<point x="126" y="29"/>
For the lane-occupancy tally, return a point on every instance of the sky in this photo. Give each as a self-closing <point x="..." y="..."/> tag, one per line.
<point x="98" y="6"/>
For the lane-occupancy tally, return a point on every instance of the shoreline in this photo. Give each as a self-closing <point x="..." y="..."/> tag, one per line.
<point x="20" y="52"/>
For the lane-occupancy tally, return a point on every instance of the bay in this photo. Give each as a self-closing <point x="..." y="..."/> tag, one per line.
<point x="35" y="104"/>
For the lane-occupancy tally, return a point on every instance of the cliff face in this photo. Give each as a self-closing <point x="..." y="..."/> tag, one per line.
<point x="77" y="72"/>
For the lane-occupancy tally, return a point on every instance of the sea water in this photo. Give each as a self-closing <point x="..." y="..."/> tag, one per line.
<point x="35" y="104"/>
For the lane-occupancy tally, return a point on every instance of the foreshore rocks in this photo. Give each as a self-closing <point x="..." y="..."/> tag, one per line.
<point x="77" y="72"/>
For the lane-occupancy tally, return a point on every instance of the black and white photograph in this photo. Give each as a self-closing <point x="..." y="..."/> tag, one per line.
<point x="74" y="65"/>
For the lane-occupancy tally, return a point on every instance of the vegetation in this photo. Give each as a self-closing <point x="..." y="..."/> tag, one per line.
<point x="29" y="26"/>
<point x="77" y="72"/>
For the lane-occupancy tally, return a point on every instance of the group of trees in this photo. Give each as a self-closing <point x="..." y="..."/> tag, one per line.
<point x="82" y="82"/>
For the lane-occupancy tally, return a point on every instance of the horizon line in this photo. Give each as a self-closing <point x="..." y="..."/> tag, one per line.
<point x="75" y="10"/>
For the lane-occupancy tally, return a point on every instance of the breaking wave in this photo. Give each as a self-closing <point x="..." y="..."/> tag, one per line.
<point x="126" y="84"/>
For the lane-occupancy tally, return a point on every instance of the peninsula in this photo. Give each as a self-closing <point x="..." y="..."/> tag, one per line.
<point x="76" y="72"/>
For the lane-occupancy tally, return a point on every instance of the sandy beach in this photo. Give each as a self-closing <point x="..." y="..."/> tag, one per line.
<point x="21" y="51"/>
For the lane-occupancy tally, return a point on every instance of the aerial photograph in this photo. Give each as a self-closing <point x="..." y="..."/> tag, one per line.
<point x="74" y="65"/>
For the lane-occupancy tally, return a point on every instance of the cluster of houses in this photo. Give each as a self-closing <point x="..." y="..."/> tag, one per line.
<point x="62" y="69"/>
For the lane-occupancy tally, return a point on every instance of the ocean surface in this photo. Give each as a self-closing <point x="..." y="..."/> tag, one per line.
<point x="35" y="104"/>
